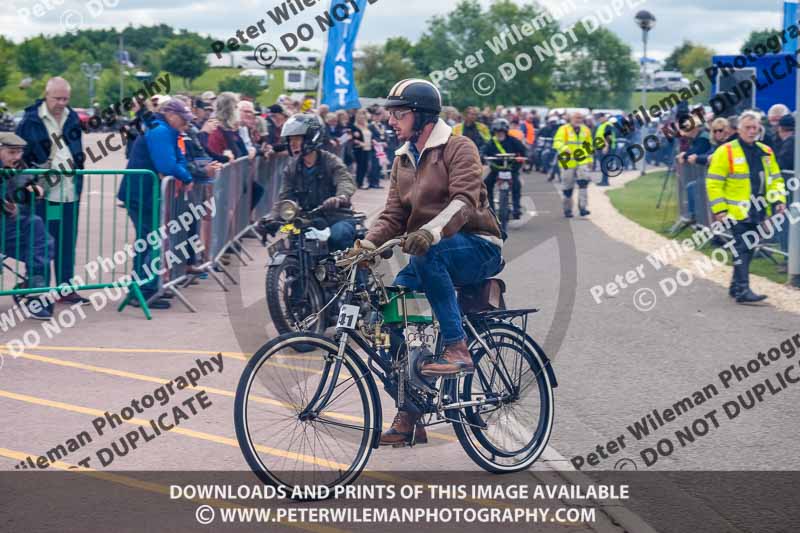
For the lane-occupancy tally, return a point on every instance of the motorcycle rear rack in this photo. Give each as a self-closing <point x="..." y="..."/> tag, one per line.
<point x="514" y="317"/>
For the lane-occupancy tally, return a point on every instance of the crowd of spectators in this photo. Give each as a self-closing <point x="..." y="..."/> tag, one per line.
<point x="191" y="136"/>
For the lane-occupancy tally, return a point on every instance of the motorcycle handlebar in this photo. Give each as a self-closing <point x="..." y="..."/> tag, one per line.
<point x="366" y="255"/>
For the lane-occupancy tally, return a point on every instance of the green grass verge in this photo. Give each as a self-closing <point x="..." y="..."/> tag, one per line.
<point x="637" y="201"/>
<point x="210" y="79"/>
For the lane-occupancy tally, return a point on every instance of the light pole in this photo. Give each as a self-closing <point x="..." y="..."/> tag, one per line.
<point x="91" y="72"/>
<point x="794" y="196"/>
<point x="645" y="20"/>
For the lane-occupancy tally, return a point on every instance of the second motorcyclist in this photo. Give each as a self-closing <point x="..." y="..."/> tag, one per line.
<point x="502" y="143"/>
<point x="315" y="178"/>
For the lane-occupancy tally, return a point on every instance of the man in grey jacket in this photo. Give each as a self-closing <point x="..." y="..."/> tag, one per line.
<point x="315" y="178"/>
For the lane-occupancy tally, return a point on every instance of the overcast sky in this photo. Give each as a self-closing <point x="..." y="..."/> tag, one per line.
<point x="720" y="24"/>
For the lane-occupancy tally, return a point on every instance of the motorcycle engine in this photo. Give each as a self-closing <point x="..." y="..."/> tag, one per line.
<point x="418" y="356"/>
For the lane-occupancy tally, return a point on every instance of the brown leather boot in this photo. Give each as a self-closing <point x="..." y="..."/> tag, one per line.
<point x="400" y="432"/>
<point x="455" y="359"/>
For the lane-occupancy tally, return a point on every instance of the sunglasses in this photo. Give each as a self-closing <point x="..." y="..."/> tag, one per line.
<point x="398" y="115"/>
<point x="719" y="131"/>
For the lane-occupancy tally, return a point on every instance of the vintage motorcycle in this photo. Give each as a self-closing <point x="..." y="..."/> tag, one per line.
<point x="302" y="276"/>
<point x="314" y="419"/>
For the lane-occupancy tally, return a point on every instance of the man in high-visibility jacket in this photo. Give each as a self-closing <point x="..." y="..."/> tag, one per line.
<point x="573" y="139"/>
<point x="478" y="132"/>
<point x="606" y="137"/>
<point x="745" y="184"/>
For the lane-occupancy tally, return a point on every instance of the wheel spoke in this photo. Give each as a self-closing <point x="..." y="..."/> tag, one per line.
<point x="295" y="450"/>
<point x="517" y="428"/>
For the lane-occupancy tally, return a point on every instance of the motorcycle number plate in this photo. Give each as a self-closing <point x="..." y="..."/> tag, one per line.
<point x="504" y="176"/>
<point x="348" y="316"/>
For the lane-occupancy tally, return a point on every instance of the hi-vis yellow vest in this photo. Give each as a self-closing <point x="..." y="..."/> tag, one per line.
<point x="728" y="181"/>
<point x="565" y="140"/>
<point x="483" y="130"/>
<point x="600" y="133"/>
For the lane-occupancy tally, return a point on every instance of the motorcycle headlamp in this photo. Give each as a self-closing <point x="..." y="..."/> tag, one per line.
<point x="287" y="210"/>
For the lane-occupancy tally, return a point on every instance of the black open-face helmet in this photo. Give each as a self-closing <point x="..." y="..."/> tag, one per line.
<point x="421" y="96"/>
<point x="416" y="94"/>
<point x="308" y="126"/>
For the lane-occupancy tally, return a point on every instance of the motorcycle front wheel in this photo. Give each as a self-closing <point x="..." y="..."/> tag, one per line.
<point x="288" y="303"/>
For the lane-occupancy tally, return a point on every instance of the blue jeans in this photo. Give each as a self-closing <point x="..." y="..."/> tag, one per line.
<point x="143" y="222"/>
<point x="343" y="235"/>
<point x="26" y="239"/>
<point x="463" y="259"/>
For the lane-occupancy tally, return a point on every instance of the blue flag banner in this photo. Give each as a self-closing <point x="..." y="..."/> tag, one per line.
<point x="789" y="18"/>
<point x="338" y="80"/>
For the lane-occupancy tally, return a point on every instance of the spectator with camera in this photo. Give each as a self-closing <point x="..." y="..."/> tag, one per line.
<point x="24" y="235"/>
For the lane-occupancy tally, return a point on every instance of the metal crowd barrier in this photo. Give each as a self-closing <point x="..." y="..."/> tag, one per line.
<point x="178" y="201"/>
<point x="232" y="193"/>
<point x="78" y="227"/>
<point x="268" y="174"/>
<point x="692" y="180"/>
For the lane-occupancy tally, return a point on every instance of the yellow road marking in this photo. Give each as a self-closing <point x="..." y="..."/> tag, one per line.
<point x="150" y="487"/>
<point x="233" y="442"/>
<point x="235" y="355"/>
<point x="179" y="430"/>
<point x="221" y="392"/>
<point x="269" y="363"/>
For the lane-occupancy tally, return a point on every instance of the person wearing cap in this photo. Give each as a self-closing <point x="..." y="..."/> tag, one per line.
<point x="53" y="134"/>
<point x="24" y="236"/>
<point x="275" y="121"/>
<point x="208" y="97"/>
<point x="156" y="150"/>
<point x="201" y="112"/>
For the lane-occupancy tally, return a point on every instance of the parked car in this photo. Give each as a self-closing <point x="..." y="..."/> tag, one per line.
<point x="83" y="115"/>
